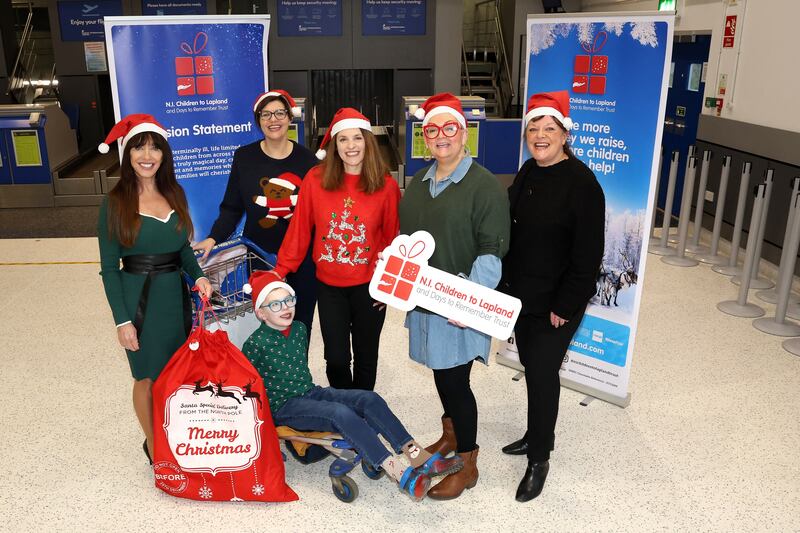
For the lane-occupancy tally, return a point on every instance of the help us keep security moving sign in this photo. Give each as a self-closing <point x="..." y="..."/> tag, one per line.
<point x="404" y="280"/>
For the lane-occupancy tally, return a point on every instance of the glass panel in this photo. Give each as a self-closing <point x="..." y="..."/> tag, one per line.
<point x="695" y="73"/>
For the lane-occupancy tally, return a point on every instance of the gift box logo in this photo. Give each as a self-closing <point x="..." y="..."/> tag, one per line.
<point x="400" y="273"/>
<point x="591" y="69"/>
<point x="195" y="74"/>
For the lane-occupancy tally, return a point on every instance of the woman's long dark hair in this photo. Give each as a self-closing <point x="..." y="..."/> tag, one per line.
<point x="123" y="200"/>
<point x="373" y="170"/>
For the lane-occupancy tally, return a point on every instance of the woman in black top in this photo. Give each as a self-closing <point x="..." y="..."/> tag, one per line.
<point x="557" y="238"/>
<point x="264" y="183"/>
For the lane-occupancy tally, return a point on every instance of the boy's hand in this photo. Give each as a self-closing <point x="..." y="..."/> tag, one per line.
<point x="127" y="337"/>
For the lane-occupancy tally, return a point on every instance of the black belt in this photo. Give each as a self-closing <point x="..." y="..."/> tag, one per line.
<point x="151" y="266"/>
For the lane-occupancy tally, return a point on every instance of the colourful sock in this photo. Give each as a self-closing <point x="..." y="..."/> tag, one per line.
<point x="394" y="467"/>
<point x="415" y="454"/>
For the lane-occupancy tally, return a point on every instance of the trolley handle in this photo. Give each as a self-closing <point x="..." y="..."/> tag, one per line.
<point x="269" y="258"/>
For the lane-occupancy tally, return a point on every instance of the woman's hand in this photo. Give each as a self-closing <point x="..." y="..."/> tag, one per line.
<point x="456" y="323"/>
<point x="204" y="287"/>
<point x="556" y="320"/>
<point x="127" y="337"/>
<point x="204" y="246"/>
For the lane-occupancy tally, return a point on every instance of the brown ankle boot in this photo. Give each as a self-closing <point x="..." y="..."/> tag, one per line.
<point x="453" y="485"/>
<point x="447" y="442"/>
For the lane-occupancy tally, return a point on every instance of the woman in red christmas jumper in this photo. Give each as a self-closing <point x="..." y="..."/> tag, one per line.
<point x="348" y="207"/>
<point x="264" y="182"/>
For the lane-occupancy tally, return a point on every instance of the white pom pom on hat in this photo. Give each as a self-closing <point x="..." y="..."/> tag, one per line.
<point x="129" y="126"/>
<point x="419" y="113"/>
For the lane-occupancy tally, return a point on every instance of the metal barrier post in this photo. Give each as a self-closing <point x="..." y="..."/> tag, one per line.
<point x="712" y="257"/>
<point x="662" y="248"/>
<point x="757" y="282"/>
<point x="695" y="247"/>
<point x="680" y="259"/>
<point x="740" y="307"/>
<point x="732" y="268"/>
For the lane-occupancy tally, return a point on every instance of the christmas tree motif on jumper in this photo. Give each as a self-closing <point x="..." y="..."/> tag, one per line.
<point x="344" y="234"/>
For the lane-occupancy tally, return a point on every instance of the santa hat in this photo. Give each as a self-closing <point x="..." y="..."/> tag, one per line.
<point x="287" y="180"/>
<point x="283" y="95"/>
<point x="130" y="126"/>
<point x="263" y="282"/>
<point x="553" y="104"/>
<point x="438" y="104"/>
<point x="344" y="119"/>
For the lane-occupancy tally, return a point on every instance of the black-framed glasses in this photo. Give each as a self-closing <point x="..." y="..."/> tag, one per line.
<point x="448" y="129"/>
<point x="277" y="305"/>
<point x="280" y="114"/>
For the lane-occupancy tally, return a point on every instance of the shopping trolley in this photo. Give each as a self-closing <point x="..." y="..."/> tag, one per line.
<point x="228" y="268"/>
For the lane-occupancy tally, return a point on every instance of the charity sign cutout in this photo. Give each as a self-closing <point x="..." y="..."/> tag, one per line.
<point x="404" y="280"/>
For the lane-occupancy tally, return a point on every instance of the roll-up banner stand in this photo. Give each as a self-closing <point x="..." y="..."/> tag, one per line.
<point x="198" y="75"/>
<point x="616" y="68"/>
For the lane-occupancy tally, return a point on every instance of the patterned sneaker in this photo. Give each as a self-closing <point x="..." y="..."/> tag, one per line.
<point x="415" y="483"/>
<point x="441" y="466"/>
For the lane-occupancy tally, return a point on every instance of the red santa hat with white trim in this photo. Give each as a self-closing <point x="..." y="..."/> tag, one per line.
<point x="263" y="282"/>
<point x="287" y="180"/>
<point x="438" y="104"/>
<point x="129" y="126"/>
<point x="283" y="95"/>
<point x="554" y="104"/>
<point x="344" y="119"/>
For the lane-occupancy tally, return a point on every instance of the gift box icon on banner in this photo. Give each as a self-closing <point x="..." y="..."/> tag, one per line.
<point x="400" y="273"/>
<point x="591" y="69"/>
<point x="195" y="74"/>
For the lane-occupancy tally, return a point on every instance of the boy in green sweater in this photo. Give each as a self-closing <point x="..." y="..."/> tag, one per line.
<point x="277" y="349"/>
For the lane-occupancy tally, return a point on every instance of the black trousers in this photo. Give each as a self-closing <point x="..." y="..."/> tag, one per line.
<point x="459" y="404"/>
<point x="541" y="351"/>
<point x="346" y="312"/>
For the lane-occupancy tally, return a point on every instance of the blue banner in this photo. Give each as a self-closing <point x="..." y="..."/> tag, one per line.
<point x="83" y="21"/>
<point x="393" y="17"/>
<point x="198" y="76"/>
<point x="196" y="7"/>
<point x="304" y="18"/>
<point x="616" y="70"/>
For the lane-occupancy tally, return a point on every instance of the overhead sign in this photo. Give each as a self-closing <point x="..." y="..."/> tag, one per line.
<point x="196" y="7"/>
<point x="305" y="18"/>
<point x="83" y="21"/>
<point x="393" y="17"/>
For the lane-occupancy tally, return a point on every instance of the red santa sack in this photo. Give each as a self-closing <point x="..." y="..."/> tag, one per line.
<point x="214" y="435"/>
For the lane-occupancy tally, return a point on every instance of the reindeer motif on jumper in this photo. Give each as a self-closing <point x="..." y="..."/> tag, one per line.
<point x="344" y="234"/>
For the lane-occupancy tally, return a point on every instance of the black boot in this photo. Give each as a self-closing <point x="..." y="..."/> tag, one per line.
<point x="533" y="481"/>
<point x="518" y="447"/>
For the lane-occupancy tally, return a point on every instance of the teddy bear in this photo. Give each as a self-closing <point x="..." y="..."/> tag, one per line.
<point x="278" y="198"/>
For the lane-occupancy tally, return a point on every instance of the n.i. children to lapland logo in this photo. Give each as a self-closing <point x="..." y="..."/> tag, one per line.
<point x="591" y="70"/>
<point x="195" y="74"/>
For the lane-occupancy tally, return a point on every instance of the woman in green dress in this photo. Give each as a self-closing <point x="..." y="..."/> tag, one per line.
<point x="145" y="223"/>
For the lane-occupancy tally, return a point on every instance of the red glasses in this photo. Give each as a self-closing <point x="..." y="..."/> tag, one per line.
<point x="448" y="129"/>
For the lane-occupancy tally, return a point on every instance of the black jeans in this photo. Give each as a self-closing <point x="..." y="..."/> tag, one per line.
<point x="459" y="404"/>
<point x="346" y="312"/>
<point x="541" y="351"/>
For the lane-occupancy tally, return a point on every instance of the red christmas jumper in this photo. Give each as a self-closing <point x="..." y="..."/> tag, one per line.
<point x="349" y="228"/>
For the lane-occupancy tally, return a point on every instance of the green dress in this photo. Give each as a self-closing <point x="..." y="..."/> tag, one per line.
<point x="163" y="328"/>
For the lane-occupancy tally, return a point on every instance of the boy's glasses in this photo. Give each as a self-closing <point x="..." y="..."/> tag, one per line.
<point x="280" y="114"/>
<point x="277" y="305"/>
<point x="448" y="129"/>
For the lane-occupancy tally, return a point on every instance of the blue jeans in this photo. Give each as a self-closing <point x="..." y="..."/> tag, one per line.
<point x="357" y="415"/>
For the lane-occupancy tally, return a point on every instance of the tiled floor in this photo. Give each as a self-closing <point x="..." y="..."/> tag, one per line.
<point x="710" y="441"/>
